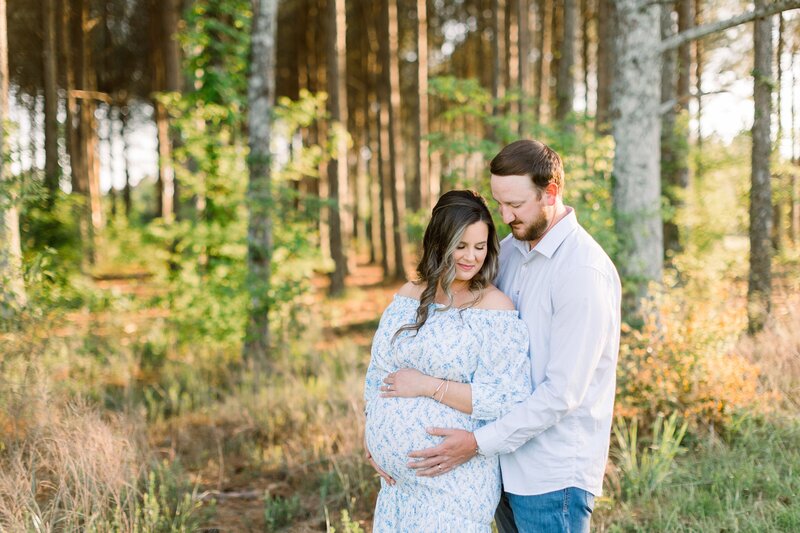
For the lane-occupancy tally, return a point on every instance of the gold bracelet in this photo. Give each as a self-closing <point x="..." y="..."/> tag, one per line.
<point x="441" y="400"/>
<point x="437" y="389"/>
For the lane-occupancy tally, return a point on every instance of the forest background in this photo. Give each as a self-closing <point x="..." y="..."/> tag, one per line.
<point x="186" y="351"/>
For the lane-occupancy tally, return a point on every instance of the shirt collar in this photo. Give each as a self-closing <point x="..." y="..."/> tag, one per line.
<point x="553" y="239"/>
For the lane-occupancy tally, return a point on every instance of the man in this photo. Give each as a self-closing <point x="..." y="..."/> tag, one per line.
<point x="553" y="446"/>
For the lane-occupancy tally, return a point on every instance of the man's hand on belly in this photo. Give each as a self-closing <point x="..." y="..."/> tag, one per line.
<point x="458" y="447"/>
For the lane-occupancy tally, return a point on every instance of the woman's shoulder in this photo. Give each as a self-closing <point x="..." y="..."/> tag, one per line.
<point x="411" y="290"/>
<point x="494" y="299"/>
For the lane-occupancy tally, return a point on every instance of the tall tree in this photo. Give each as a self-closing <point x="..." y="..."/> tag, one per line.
<point x="565" y="80"/>
<point x="52" y="172"/>
<point x="261" y="97"/>
<point x="606" y="29"/>
<point x="636" y="130"/>
<point x="759" y="288"/>
<point x="396" y="175"/>
<point x="423" y="170"/>
<point x="12" y="287"/>
<point x="669" y="122"/>
<point x="338" y="213"/>
<point x="498" y="53"/>
<point x="524" y="62"/>
<point x="165" y="185"/>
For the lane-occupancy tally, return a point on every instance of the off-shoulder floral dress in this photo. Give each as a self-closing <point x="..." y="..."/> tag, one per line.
<point x="486" y="348"/>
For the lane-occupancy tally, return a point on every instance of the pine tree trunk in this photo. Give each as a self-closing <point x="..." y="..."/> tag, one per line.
<point x="586" y="18"/>
<point x="538" y="67"/>
<point x="396" y="176"/>
<point x="698" y="80"/>
<point x="669" y="139"/>
<point x="12" y="287"/>
<point x="68" y="49"/>
<point x="524" y="65"/>
<point x="565" y="80"/>
<point x="423" y="145"/>
<point x="606" y="29"/>
<point x="260" y="96"/>
<point x="759" y="289"/>
<point x="52" y="171"/>
<point x="636" y="130"/>
<point x="87" y="178"/>
<point x="556" y="48"/>
<point x="126" y="191"/>
<point x="166" y="175"/>
<point x="338" y="212"/>
<point x="498" y="54"/>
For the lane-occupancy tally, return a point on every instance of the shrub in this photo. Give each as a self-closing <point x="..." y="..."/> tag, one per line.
<point x="681" y="361"/>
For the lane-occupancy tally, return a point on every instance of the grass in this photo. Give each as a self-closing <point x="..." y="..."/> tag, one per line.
<point x="747" y="482"/>
<point x="110" y="425"/>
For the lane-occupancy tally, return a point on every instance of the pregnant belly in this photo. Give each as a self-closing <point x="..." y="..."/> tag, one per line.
<point x="396" y="426"/>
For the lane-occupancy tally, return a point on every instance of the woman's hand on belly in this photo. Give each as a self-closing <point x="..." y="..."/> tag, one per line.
<point x="408" y="383"/>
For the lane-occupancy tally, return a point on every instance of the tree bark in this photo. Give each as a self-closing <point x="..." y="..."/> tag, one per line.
<point x="606" y="29"/>
<point x="669" y="139"/>
<point x="698" y="80"/>
<point x="636" y="130"/>
<point x="539" y="64"/>
<point x="159" y="40"/>
<point x="498" y="54"/>
<point x="12" y="286"/>
<point x="338" y="212"/>
<point x="524" y="64"/>
<point x="260" y="96"/>
<point x="126" y="191"/>
<point x="423" y="127"/>
<point x="396" y="176"/>
<point x="759" y="287"/>
<point x="52" y="171"/>
<point x="586" y="18"/>
<point x="556" y="49"/>
<point x="565" y="80"/>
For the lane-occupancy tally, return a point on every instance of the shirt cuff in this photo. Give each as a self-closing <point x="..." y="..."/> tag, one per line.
<point x="489" y="441"/>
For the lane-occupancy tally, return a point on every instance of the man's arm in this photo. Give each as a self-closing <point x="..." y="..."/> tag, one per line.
<point x="583" y="312"/>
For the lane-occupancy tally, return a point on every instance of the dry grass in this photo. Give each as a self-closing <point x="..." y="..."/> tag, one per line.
<point x="65" y="467"/>
<point x="776" y="351"/>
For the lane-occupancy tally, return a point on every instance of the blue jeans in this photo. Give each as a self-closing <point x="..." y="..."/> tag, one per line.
<point x="562" y="511"/>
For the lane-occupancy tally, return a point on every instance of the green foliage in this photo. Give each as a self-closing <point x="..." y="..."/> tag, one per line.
<point x="587" y="157"/>
<point x="347" y="523"/>
<point x="167" y="503"/>
<point x="279" y="511"/>
<point x="216" y="44"/>
<point x="745" y="483"/>
<point x="645" y="467"/>
<point x="206" y="249"/>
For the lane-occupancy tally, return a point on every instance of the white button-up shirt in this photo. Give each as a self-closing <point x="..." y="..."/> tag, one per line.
<point x="568" y="293"/>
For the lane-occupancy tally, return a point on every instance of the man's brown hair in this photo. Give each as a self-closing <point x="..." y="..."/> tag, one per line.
<point x="530" y="158"/>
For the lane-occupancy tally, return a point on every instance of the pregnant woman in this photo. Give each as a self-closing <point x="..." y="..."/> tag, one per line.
<point x="453" y="325"/>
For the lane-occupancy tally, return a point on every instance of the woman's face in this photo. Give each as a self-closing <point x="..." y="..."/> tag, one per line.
<point x="471" y="251"/>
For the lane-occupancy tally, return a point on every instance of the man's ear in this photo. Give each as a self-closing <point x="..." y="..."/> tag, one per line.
<point x="551" y="192"/>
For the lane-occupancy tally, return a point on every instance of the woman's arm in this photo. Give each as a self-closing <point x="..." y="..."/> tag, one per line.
<point x="411" y="383"/>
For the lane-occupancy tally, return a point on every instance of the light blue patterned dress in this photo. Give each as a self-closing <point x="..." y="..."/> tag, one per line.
<point x="483" y="347"/>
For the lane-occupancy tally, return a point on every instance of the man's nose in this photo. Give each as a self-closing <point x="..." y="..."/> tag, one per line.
<point x="507" y="215"/>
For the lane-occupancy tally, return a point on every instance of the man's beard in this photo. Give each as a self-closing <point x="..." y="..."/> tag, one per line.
<point x="533" y="231"/>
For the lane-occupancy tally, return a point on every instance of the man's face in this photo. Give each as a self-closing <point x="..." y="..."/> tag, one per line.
<point x="522" y="206"/>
